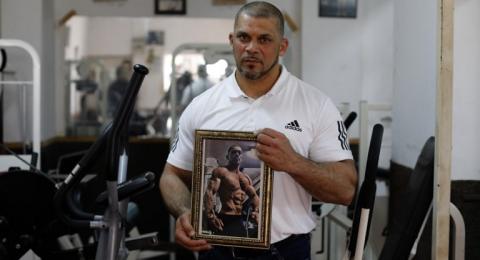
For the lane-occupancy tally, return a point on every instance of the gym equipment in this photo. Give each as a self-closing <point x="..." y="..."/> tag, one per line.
<point x="349" y="119"/>
<point x="366" y="199"/>
<point x="26" y="213"/>
<point x="36" y="107"/>
<point x="111" y="225"/>
<point x="28" y="200"/>
<point x="3" y="63"/>
<point x="405" y="227"/>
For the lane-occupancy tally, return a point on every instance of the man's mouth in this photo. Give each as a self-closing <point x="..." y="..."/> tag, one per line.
<point x="251" y="60"/>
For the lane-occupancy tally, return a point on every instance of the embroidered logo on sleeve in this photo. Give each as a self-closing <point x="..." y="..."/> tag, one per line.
<point x="342" y="136"/>
<point x="294" y="126"/>
<point x="175" y="140"/>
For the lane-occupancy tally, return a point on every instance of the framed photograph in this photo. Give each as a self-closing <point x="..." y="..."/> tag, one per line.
<point x="228" y="2"/>
<point x="170" y="6"/>
<point x="338" y="8"/>
<point x="231" y="190"/>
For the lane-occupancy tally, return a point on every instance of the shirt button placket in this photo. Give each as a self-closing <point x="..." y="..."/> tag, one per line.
<point x="252" y="115"/>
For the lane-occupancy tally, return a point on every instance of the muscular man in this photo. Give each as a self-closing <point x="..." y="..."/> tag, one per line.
<point x="234" y="188"/>
<point x="300" y="136"/>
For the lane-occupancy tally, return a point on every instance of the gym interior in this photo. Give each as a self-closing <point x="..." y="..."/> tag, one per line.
<point x="410" y="66"/>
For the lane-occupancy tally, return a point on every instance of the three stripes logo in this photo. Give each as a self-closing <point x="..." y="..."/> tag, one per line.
<point x="294" y="126"/>
<point x="175" y="140"/>
<point x="342" y="136"/>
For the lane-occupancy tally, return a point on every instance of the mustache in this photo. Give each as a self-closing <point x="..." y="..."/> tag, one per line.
<point x="251" y="58"/>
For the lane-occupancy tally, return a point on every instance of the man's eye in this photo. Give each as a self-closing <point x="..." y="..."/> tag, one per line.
<point x="242" y="37"/>
<point x="264" y="40"/>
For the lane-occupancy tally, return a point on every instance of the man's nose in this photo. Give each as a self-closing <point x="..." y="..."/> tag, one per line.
<point x="252" y="46"/>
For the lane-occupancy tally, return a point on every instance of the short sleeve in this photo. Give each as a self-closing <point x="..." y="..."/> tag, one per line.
<point x="181" y="150"/>
<point x="330" y="142"/>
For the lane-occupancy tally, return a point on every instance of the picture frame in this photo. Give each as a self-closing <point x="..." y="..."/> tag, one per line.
<point x="337" y="8"/>
<point x="231" y="190"/>
<point x="228" y="2"/>
<point x="170" y="7"/>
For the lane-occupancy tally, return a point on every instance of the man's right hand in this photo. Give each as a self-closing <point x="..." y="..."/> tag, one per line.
<point x="184" y="233"/>
<point x="215" y="222"/>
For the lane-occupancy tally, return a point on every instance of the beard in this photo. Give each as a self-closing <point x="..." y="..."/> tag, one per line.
<point x="252" y="74"/>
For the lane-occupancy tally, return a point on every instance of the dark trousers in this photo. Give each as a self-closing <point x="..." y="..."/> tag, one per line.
<point x="295" y="247"/>
<point x="233" y="225"/>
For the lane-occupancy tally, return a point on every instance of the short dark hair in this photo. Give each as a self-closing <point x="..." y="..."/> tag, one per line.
<point x="233" y="146"/>
<point x="263" y="10"/>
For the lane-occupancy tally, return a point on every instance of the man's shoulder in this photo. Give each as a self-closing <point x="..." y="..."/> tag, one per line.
<point x="215" y="91"/>
<point x="204" y="100"/>
<point x="300" y="89"/>
<point x="220" y="170"/>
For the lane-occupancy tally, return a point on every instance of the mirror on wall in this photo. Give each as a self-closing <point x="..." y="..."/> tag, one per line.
<point x="99" y="55"/>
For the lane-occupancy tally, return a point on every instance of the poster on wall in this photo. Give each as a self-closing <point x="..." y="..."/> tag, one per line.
<point x="338" y="8"/>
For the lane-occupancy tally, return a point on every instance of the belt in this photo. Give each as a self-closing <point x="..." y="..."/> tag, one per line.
<point x="275" y="248"/>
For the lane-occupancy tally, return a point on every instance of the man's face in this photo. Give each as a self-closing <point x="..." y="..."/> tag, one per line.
<point x="257" y="44"/>
<point x="234" y="155"/>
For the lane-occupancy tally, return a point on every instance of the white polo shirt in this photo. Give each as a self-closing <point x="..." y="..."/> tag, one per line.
<point x="303" y="113"/>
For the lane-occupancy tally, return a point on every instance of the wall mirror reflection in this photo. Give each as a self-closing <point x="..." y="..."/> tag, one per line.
<point x="97" y="71"/>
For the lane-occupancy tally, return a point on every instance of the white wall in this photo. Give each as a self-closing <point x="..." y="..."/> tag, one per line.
<point x="113" y="35"/>
<point x="25" y="20"/>
<point x="466" y="82"/>
<point x="49" y="91"/>
<point x="415" y="56"/>
<point x="350" y="59"/>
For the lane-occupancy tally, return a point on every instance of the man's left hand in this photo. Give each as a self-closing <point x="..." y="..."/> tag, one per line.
<point x="275" y="150"/>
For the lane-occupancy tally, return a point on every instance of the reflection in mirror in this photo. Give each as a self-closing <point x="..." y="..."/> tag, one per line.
<point x="217" y="63"/>
<point x="99" y="55"/>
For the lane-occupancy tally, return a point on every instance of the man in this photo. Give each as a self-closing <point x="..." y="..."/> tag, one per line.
<point x="232" y="186"/>
<point x="300" y="135"/>
<point x="196" y="87"/>
<point x="118" y="87"/>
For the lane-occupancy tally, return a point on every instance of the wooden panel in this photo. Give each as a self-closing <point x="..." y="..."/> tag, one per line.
<point x="443" y="132"/>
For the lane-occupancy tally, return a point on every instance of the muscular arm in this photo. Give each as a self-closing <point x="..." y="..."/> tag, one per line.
<point x="175" y="188"/>
<point x="247" y="186"/>
<point x="210" y="193"/>
<point x="175" y="185"/>
<point x="332" y="182"/>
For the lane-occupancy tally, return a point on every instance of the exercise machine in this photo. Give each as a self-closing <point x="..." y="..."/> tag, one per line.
<point x="30" y="199"/>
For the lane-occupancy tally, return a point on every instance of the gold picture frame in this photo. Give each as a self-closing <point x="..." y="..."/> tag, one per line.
<point x="239" y="212"/>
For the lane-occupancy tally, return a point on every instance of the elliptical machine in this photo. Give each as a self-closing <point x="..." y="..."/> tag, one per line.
<point x="110" y="227"/>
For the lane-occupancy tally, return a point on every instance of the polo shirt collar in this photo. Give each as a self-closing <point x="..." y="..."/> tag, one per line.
<point x="234" y="91"/>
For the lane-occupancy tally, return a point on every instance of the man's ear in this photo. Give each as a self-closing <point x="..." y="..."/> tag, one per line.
<point x="230" y="38"/>
<point x="283" y="46"/>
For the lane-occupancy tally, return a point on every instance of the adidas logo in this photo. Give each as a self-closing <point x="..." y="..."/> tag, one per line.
<point x="294" y="126"/>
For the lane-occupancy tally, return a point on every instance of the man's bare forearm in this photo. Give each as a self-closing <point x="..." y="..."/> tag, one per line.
<point x="209" y="204"/>
<point x="332" y="182"/>
<point x="175" y="192"/>
<point x="251" y="192"/>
